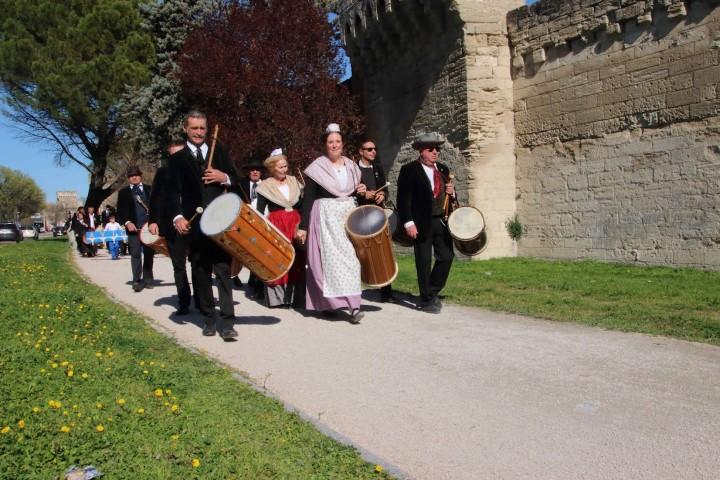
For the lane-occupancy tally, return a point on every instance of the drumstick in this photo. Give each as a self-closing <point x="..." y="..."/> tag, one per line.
<point x="139" y="200"/>
<point x="198" y="211"/>
<point x="446" y="203"/>
<point x="378" y="189"/>
<point x="302" y="179"/>
<point x="212" y="146"/>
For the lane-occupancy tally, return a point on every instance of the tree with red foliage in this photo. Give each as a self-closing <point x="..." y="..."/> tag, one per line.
<point x="268" y="73"/>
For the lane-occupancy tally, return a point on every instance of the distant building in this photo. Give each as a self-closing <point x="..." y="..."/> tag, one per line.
<point x="68" y="200"/>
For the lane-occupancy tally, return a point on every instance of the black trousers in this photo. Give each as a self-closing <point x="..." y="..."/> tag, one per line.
<point x="207" y="257"/>
<point x="141" y="258"/>
<point x="178" y="248"/>
<point x="432" y="278"/>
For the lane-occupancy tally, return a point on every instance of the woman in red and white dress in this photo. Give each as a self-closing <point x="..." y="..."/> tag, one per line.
<point x="281" y="194"/>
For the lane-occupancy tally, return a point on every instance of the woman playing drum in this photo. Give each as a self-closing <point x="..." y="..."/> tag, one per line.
<point x="333" y="270"/>
<point x="280" y="193"/>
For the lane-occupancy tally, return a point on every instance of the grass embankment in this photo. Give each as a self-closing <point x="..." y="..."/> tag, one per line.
<point x="86" y="382"/>
<point x="682" y="303"/>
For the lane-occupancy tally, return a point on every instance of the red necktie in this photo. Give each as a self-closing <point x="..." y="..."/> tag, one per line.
<point x="437" y="183"/>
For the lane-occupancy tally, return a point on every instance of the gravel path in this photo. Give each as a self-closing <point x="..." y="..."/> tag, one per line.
<point x="468" y="394"/>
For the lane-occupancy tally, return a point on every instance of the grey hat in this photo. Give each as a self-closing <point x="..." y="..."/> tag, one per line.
<point x="426" y="139"/>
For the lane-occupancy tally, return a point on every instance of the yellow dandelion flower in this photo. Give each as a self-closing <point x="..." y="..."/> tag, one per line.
<point x="5" y="430"/>
<point x="175" y="437"/>
<point x="70" y="373"/>
<point x="84" y="375"/>
<point x="99" y="428"/>
<point x="98" y="405"/>
<point x="64" y="363"/>
<point x="378" y="468"/>
<point x="21" y="423"/>
<point x="158" y="392"/>
<point x="42" y="370"/>
<point x="168" y="391"/>
<point x="36" y="409"/>
<point x="146" y="372"/>
<point x="195" y="463"/>
<point x="142" y="363"/>
<point x="54" y="365"/>
<point x="140" y="410"/>
<point x="65" y="429"/>
<point x="175" y="407"/>
<point x="120" y="401"/>
<point x="110" y="354"/>
<point x="98" y="354"/>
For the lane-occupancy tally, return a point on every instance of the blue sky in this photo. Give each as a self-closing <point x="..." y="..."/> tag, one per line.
<point x="36" y="161"/>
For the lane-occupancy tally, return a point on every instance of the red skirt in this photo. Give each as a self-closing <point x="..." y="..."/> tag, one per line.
<point x="287" y="222"/>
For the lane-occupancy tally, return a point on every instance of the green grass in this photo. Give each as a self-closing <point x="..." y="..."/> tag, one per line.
<point x="63" y="341"/>
<point x="682" y="303"/>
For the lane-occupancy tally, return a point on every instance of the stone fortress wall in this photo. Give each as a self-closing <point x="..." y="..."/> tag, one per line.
<point x="596" y="121"/>
<point x="618" y="130"/>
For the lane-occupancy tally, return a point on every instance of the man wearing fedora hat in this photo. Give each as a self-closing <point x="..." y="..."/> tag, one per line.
<point x="422" y="189"/>
<point x="253" y="178"/>
<point x="132" y="212"/>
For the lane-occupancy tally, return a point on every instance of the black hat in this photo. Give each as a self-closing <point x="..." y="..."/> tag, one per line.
<point x="133" y="170"/>
<point x="253" y="165"/>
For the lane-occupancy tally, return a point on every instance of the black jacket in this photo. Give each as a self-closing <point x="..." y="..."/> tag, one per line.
<point x="379" y="174"/>
<point x="185" y="190"/>
<point x="158" y="208"/>
<point x="415" y="196"/>
<point x="126" y="205"/>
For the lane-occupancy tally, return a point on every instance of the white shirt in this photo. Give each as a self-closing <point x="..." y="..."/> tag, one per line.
<point x="204" y="149"/>
<point x="342" y="176"/>
<point x="112" y="226"/>
<point x="285" y="190"/>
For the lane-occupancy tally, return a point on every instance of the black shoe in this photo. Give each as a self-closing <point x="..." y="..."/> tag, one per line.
<point x="355" y="316"/>
<point x="387" y="298"/>
<point x="209" y="330"/>
<point x="431" y="306"/>
<point x="228" y="333"/>
<point x="138" y="286"/>
<point x="184" y="310"/>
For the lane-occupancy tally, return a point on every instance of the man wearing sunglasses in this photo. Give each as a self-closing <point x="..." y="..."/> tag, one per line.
<point x="373" y="176"/>
<point x="422" y="188"/>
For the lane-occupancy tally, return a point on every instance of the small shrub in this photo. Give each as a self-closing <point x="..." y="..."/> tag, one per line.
<point x="514" y="227"/>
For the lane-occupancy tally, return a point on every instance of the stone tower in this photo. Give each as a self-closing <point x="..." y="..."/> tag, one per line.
<point x="441" y="65"/>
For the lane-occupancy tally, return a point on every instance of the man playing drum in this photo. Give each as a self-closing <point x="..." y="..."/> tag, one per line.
<point x="132" y="214"/>
<point x="193" y="183"/>
<point x="161" y="224"/>
<point x="373" y="176"/>
<point x="422" y="188"/>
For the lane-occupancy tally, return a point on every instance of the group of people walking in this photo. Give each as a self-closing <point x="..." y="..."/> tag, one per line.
<point x="309" y="210"/>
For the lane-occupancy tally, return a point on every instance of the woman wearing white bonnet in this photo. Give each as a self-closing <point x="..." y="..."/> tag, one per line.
<point x="281" y="194"/>
<point x="333" y="271"/>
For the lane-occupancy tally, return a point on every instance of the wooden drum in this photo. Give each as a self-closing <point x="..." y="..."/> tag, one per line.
<point x="246" y="235"/>
<point x="467" y="228"/>
<point x="156" y="242"/>
<point x="367" y="227"/>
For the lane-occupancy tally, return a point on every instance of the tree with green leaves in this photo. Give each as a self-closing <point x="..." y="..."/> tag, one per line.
<point x="63" y="69"/>
<point x="152" y="115"/>
<point x="18" y="193"/>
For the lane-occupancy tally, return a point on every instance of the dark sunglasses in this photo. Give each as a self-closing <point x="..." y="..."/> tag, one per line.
<point x="432" y="149"/>
<point x="370" y="149"/>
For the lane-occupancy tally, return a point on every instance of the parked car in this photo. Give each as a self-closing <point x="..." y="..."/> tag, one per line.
<point x="29" y="231"/>
<point x="10" y="231"/>
<point x="58" y="231"/>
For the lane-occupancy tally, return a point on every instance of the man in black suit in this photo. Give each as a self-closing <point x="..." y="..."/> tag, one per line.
<point x="133" y="214"/>
<point x="373" y="176"/>
<point x="161" y="224"/>
<point x="192" y="184"/>
<point x="253" y="178"/>
<point x="93" y="221"/>
<point x="422" y="189"/>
